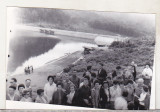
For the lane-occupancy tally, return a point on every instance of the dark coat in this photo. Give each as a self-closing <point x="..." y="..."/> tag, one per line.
<point x="55" y="98"/>
<point x="102" y="74"/>
<point x="104" y="98"/>
<point x="84" y="93"/>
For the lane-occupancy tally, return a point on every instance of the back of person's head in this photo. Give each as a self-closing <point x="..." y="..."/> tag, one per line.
<point x="21" y="85"/>
<point x="39" y="91"/>
<point x="101" y="64"/>
<point x="14" y="79"/>
<point x="125" y="93"/>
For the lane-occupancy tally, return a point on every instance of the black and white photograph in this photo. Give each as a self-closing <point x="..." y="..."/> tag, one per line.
<point x="80" y="58"/>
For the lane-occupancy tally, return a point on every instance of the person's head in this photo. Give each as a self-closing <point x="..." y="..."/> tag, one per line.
<point x="50" y="79"/>
<point x="125" y="93"/>
<point x="21" y="87"/>
<point x="40" y="92"/>
<point x="86" y="80"/>
<point x="145" y="88"/>
<point x="89" y="68"/>
<point x="93" y="75"/>
<point x="74" y="74"/>
<point x="129" y="83"/>
<point x="72" y="88"/>
<point x="121" y="83"/>
<point x="147" y="65"/>
<point x="108" y="78"/>
<point x="115" y="83"/>
<point x="118" y="68"/>
<point x="58" y="76"/>
<point x="26" y="94"/>
<point x="101" y="65"/>
<point x="13" y="81"/>
<point x="28" y="82"/>
<point x="140" y="82"/>
<point x="105" y="84"/>
<point x="67" y="76"/>
<point x="12" y="90"/>
<point x="96" y="84"/>
<point x="59" y="86"/>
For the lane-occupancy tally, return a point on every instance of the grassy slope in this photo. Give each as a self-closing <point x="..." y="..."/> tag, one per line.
<point x="139" y="50"/>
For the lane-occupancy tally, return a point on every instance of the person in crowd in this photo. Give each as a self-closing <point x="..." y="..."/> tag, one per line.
<point x="21" y="87"/>
<point x="130" y="89"/>
<point x="49" y="88"/>
<point x="59" y="96"/>
<point x="13" y="82"/>
<point x="66" y="83"/>
<point x="147" y="74"/>
<point x="72" y="96"/>
<point x="120" y="102"/>
<point x="11" y="95"/>
<point x="122" y="86"/>
<point x="26" y="96"/>
<point x="88" y="72"/>
<point x="102" y="74"/>
<point x="75" y="80"/>
<point x="115" y="92"/>
<point x="138" y="90"/>
<point x="109" y="80"/>
<point x="105" y="95"/>
<point x="40" y="97"/>
<point x="144" y="99"/>
<point x="58" y="78"/>
<point x="93" y="79"/>
<point x="117" y="72"/>
<point x="84" y="94"/>
<point x="95" y="94"/>
<point x="28" y="86"/>
<point x="134" y="71"/>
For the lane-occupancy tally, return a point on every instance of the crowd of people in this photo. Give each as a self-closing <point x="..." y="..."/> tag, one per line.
<point x="120" y="90"/>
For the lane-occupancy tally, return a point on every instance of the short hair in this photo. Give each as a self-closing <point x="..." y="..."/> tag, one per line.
<point x="115" y="82"/>
<point x="25" y="92"/>
<point x="28" y="80"/>
<point x="121" y="82"/>
<point x="109" y="77"/>
<point x="145" y="88"/>
<point x="39" y="91"/>
<point x="50" y="77"/>
<point x="105" y="82"/>
<point x="125" y="93"/>
<point x="148" y="64"/>
<point x="130" y="81"/>
<point x="118" y="67"/>
<point x="15" y="80"/>
<point x="86" y="77"/>
<point x="96" y="81"/>
<point x="89" y="67"/>
<point x="93" y="74"/>
<point x="13" y="87"/>
<point x="21" y="85"/>
<point x="59" y="83"/>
